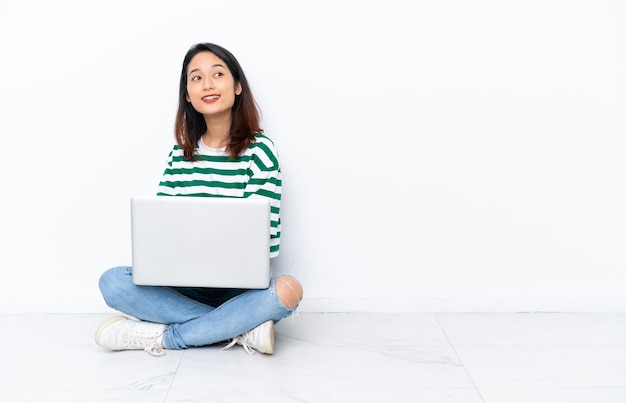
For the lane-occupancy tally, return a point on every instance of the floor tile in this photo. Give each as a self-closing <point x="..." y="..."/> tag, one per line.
<point x="555" y="395"/>
<point x="477" y="329"/>
<point x="324" y="357"/>
<point x="368" y="329"/>
<point x="67" y="358"/>
<point x="338" y="395"/>
<point x="545" y="366"/>
<point x="83" y="396"/>
<point x="299" y="365"/>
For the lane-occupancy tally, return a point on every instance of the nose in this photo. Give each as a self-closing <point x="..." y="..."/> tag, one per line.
<point x="208" y="83"/>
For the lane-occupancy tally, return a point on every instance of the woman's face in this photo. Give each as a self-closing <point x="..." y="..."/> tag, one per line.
<point x="211" y="88"/>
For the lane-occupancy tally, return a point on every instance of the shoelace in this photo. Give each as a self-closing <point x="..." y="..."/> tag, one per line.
<point x="148" y="339"/>
<point x="155" y="350"/>
<point x="153" y="347"/>
<point x="244" y="342"/>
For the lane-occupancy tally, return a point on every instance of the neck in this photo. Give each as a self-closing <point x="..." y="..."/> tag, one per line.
<point x="216" y="135"/>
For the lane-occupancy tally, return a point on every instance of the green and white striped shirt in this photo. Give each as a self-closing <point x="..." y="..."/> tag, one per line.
<point x="255" y="173"/>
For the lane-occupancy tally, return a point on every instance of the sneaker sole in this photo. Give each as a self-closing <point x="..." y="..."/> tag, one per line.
<point x="269" y="342"/>
<point x="105" y="325"/>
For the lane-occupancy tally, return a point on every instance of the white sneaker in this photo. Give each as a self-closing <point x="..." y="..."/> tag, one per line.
<point x="261" y="339"/>
<point x="121" y="333"/>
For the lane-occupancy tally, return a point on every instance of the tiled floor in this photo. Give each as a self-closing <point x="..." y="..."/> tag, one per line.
<point x="432" y="358"/>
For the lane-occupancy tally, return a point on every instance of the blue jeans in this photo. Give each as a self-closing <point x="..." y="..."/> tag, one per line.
<point x="196" y="316"/>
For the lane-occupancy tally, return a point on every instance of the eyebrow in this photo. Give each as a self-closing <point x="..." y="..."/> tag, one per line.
<point x="197" y="69"/>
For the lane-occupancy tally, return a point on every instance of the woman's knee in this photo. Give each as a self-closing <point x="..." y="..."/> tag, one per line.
<point x="111" y="282"/>
<point x="289" y="291"/>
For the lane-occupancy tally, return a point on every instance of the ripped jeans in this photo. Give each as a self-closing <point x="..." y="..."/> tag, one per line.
<point x="196" y="316"/>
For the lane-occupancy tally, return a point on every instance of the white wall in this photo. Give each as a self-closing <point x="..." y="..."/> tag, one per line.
<point x="437" y="155"/>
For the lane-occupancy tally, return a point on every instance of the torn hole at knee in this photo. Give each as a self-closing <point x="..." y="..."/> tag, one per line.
<point x="289" y="291"/>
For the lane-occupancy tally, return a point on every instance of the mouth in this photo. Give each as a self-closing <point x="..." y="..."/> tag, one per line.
<point x="209" y="98"/>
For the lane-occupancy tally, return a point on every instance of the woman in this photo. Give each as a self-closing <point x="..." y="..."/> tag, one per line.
<point x="221" y="151"/>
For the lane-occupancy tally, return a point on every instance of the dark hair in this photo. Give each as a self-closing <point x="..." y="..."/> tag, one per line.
<point x="190" y="124"/>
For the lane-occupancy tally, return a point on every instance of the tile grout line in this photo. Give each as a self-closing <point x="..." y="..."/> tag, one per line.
<point x="459" y="357"/>
<point x="169" y="389"/>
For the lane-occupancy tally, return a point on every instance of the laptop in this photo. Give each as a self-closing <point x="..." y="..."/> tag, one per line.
<point x="189" y="241"/>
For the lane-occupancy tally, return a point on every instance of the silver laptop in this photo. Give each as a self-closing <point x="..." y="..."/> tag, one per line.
<point x="200" y="241"/>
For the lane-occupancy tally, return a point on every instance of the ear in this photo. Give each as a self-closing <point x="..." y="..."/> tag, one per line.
<point x="187" y="97"/>
<point x="238" y="89"/>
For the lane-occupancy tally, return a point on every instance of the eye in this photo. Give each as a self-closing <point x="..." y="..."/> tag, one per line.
<point x="195" y="78"/>
<point x="218" y="74"/>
